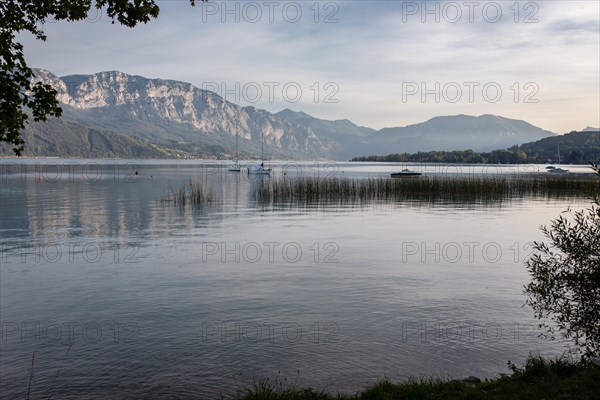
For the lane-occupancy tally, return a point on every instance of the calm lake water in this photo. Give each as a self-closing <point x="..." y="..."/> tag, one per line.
<point x="121" y="295"/>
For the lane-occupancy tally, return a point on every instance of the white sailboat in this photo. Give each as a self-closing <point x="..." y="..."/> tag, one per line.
<point x="260" y="169"/>
<point x="236" y="167"/>
<point x="555" y="170"/>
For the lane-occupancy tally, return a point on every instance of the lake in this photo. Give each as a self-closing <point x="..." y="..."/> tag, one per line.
<point x="120" y="294"/>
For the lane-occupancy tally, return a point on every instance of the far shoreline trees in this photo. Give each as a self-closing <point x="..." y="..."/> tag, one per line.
<point x="575" y="148"/>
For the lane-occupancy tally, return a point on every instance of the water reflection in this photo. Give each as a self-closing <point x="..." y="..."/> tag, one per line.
<point x="151" y="299"/>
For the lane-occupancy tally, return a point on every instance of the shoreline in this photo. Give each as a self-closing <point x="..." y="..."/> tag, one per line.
<point x="538" y="378"/>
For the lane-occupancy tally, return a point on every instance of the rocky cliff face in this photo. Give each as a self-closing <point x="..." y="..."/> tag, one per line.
<point x="166" y="111"/>
<point x="185" y="120"/>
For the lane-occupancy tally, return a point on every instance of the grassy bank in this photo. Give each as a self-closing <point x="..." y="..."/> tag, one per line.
<point x="537" y="379"/>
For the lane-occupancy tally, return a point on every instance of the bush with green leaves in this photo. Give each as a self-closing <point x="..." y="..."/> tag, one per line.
<point x="565" y="285"/>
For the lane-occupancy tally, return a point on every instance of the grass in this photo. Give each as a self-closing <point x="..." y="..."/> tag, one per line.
<point x="537" y="379"/>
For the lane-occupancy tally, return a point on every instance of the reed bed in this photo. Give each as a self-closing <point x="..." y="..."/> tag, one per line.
<point x="333" y="190"/>
<point x="193" y="194"/>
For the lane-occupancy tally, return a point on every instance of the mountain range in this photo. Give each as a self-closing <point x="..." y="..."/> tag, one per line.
<point x="113" y="114"/>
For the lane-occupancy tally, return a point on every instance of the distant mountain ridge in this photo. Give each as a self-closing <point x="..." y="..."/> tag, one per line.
<point x="184" y="121"/>
<point x="574" y="147"/>
<point x="76" y="141"/>
<point x="590" y="129"/>
<point x="350" y="137"/>
<point x="460" y="132"/>
<point x="178" y="115"/>
<point x="325" y="127"/>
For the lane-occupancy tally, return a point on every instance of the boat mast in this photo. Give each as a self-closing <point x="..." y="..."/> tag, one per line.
<point x="237" y="153"/>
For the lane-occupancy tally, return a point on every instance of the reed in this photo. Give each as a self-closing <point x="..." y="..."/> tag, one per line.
<point x="193" y="194"/>
<point x="310" y="190"/>
<point x="339" y="191"/>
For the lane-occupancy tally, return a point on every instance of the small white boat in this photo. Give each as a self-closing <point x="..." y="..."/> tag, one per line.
<point x="405" y="172"/>
<point x="259" y="170"/>
<point x="554" y="170"/>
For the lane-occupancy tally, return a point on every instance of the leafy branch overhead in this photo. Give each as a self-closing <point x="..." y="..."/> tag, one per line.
<point x="596" y="168"/>
<point x="18" y="92"/>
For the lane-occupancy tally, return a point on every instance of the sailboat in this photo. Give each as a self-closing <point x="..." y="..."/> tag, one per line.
<point x="236" y="167"/>
<point x="260" y="169"/>
<point x="555" y="170"/>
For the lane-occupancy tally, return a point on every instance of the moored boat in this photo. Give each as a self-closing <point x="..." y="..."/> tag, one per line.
<point x="558" y="171"/>
<point x="258" y="170"/>
<point x="236" y="167"/>
<point x="405" y="172"/>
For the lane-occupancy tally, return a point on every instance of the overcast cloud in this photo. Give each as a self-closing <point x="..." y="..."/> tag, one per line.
<point x="368" y="61"/>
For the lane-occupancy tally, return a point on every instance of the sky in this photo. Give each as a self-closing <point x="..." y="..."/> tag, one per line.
<point x="377" y="63"/>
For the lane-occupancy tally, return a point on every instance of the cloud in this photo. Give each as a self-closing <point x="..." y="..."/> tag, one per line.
<point x="369" y="51"/>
